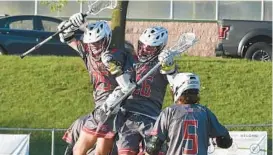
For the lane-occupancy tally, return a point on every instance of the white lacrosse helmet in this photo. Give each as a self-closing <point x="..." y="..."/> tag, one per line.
<point x="97" y="37"/>
<point x="151" y="42"/>
<point x="183" y="82"/>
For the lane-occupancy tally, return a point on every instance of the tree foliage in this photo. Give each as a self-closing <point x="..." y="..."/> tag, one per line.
<point x="55" y="6"/>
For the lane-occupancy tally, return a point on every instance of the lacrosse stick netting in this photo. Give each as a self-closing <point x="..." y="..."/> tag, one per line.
<point x="97" y="6"/>
<point x="184" y="42"/>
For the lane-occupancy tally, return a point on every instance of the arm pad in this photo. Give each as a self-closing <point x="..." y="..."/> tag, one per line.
<point x="126" y="82"/>
<point x="153" y="145"/>
<point x="224" y="141"/>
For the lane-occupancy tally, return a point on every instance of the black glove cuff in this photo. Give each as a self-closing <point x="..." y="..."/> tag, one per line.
<point x="69" y="39"/>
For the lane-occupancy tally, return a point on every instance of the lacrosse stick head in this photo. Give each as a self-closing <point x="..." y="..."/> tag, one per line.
<point x="185" y="41"/>
<point x="96" y="6"/>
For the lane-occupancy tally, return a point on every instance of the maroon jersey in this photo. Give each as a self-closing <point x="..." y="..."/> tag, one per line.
<point x="187" y="129"/>
<point x="148" y="98"/>
<point x="103" y="81"/>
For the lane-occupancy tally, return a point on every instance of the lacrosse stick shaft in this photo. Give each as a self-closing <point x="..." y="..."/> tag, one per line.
<point x="46" y="40"/>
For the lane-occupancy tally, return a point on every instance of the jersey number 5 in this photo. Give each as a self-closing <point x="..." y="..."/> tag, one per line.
<point x="190" y="136"/>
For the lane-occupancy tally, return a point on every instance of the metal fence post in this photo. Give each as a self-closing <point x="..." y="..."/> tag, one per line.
<point x="81" y="7"/>
<point x="216" y="9"/>
<point x="171" y="9"/>
<point x="262" y="9"/>
<point x="36" y="7"/>
<point x="52" y="141"/>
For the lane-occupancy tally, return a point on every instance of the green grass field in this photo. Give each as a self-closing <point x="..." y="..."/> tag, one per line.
<point x="51" y="92"/>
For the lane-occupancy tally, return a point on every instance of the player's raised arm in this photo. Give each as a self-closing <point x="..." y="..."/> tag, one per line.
<point x="68" y="35"/>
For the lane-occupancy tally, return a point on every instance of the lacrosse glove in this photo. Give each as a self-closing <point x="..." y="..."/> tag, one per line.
<point x="68" y="34"/>
<point x="224" y="141"/>
<point x="166" y="60"/>
<point x="112" y="66"/>
<point x="153" y="145"/>
<point x="77" y="20"/>
<point x="126" y="83"/>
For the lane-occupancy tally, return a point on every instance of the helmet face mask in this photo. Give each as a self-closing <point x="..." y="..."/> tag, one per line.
<point x="96" y="48"/>
<point x="97" y="38"/>
<point x="151" y="43"/>
<point x="146" y="52"/>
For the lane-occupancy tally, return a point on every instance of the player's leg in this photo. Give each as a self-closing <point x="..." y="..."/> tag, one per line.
<point x="106" y="133"/>
<point x="129" y="137"/>
<point x="87" y="137"/>
<point x="128" y="144"/>
<point x="147" y="124"/>
<point x="72" y="134"/>
<point x="84" y="143"/>
<point x="92" y="151"/>
<point x="104" y="146"/>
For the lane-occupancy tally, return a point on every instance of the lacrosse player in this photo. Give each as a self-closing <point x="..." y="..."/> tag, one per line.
<point x="144" y="105"/>
<point x="187" y="125"/>
<point x="105" y="67"/>
<point x="72" y="134"/>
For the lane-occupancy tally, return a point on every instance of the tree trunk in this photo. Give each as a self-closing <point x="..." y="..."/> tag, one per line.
<point x="118" y="24"/>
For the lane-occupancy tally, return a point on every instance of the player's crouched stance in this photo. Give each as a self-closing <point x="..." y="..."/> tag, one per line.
<point x="187" y="125"/>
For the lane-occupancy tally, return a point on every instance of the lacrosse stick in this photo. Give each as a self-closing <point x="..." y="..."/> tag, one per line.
<point x="94" y="7"/>
<point x="185" y="41"/>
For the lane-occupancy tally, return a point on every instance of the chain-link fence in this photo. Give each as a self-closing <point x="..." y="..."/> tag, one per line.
<point x="49" y="141"/>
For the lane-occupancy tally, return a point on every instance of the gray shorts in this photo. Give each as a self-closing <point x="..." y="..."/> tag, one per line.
<point x="133" y="131"/>
<point x="72" y="134"/>
<point x="106" y="130"/>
